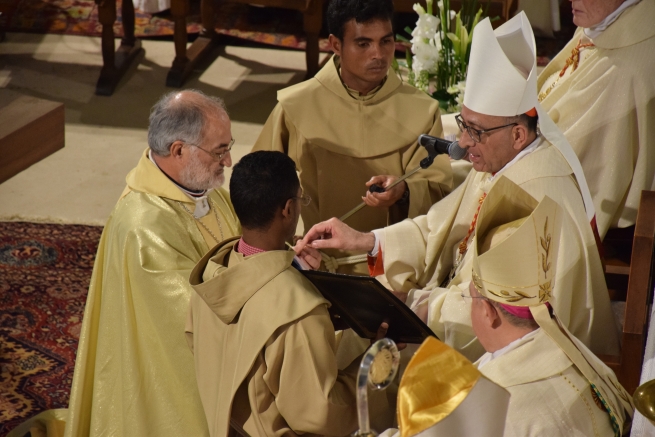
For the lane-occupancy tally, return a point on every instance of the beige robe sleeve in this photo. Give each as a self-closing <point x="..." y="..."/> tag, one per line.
<point x="310" y="393"/>
<point x="275" y="134"/>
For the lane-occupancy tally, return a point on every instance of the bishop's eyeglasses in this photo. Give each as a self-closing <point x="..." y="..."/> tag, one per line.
<point x="476" y="134"/>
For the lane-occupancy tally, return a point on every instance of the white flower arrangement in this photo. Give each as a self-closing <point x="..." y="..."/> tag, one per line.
<point x="439" y="53"/>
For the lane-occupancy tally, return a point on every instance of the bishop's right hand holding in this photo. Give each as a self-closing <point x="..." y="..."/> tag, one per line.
<point x="335" y="234"/>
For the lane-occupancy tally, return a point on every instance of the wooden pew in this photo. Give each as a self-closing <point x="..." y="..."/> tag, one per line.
<point x="30" y="130"/>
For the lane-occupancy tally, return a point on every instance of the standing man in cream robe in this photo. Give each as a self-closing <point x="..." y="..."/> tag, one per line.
<point x="355" y="121"/>
<point x="600" y="92"/>
<point x="262" y="338"/>
<point x="558" y="386"/>
<point x="134" y="372"/>
<point x="429" y="258"/>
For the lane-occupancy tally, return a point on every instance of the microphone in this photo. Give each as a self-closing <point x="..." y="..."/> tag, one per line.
<point x="438" y="146"/>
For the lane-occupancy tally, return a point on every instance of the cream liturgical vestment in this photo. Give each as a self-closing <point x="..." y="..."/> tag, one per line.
<point x="549" y="395"/>
<point x="339" y="142"/>
<point x="264" y="348"/>
<point x="420" y="253"/>
<point x="606" y="109"/>
<point x="557" y="386"/>
<point x="134" y="371"/>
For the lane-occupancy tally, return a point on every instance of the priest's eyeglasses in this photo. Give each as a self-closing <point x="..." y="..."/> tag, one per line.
<point x="476" y="134"/>
<point x="305" y="199"/>
<point x="217" y="156"/>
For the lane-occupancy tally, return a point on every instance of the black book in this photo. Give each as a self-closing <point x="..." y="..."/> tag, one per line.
<point x="362" y="303"/>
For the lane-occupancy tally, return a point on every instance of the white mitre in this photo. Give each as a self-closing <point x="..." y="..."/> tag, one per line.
<point x="502" y="81"/>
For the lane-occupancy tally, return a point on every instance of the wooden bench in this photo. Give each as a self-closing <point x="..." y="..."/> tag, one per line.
<point x="116" y="63"/>
<point x="30" y="130"/>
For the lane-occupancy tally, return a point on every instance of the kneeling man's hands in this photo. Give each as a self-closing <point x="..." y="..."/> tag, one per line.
<point x="308" y="254"/>
<point x="335" y="234"/>
<point x="382" y="332"/>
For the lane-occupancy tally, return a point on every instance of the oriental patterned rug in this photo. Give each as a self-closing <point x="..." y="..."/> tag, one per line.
<point x="45" y="270"/>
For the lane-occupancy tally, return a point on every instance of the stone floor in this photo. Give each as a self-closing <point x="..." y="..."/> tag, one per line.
<point x="106" y="135"/>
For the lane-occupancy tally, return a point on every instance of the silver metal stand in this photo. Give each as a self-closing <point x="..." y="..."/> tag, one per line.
<point x="378" y="370"/>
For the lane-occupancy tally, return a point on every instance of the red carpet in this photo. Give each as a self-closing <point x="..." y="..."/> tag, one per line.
<point x="45" y="271"/>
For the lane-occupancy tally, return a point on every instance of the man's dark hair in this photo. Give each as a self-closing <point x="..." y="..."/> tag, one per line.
<point x="341" y="11"/>
<point x="529" y="122"/>
<point x="261" y="183"/>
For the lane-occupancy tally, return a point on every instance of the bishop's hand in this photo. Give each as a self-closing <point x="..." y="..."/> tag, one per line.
<point x="335" y="234"/>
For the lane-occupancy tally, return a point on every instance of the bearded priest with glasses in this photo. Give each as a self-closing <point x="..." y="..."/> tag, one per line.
<point x="427" y="260"/>
<point x="134" y="373"/>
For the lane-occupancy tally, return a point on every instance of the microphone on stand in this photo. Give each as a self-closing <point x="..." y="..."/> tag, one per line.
<point x="438" y="146"/>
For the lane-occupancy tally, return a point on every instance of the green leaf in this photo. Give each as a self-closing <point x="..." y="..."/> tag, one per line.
<point x="453" y="37"/>
<point x="458" y="23"/>
<point x="464" y="42"/>
<point x="401" y="38"/>
<point x="408" y="58"/>
<point x="408" y="30"/>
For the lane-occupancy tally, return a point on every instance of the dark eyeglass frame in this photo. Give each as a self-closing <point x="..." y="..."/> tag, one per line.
<point x="477" y="138"/>
<point x="216" y="156"/>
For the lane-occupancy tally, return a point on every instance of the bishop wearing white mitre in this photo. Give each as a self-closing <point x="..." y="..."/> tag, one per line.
<point x="429" y="257"/>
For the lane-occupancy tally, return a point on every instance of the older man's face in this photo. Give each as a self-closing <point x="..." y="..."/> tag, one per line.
<point x="202" y="170"/>
<point x="495" y="149"/>
<point x="588" y="13"/>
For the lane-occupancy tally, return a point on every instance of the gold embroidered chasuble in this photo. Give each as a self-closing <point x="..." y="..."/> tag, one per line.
<point x="419" y="255"/>
<point x="264" y="348"/>
<point x="339" y="142"/>
<point x="549" y="394"/>
<point x="134" y="371"/>
<point x="606" y="108"/>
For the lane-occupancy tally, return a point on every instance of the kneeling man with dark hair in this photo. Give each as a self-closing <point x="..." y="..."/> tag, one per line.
<point x="263" y="343"/>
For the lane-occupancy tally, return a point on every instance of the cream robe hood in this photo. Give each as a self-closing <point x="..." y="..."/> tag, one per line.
<point x="238" y="306"/>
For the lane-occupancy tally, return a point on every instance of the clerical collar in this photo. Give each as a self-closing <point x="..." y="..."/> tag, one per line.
<point x="595" y="31"/>
<point x="187" y="191"/>
<point x="486" y="358"/>
<point x="531" y="148"/>
<point x="354" y="93"/>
